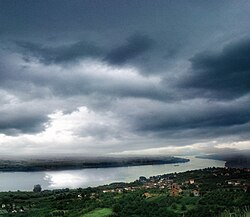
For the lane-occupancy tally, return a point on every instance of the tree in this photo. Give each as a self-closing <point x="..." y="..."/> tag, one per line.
<point x="174" y="206"/>
<point x="37" y="188"/>
<point x="183" y="207"/>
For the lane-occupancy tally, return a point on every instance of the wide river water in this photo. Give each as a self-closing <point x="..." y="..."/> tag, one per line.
<point x="12" y="181"/>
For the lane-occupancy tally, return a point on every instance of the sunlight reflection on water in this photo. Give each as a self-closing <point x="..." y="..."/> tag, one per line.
<point x="62" y="180"/>
<point x="78" y="178"/>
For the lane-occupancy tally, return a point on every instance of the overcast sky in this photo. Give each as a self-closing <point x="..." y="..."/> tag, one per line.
<point x="124" y="77"/>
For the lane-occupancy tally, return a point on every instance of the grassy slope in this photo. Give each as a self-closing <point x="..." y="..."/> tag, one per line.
<point x="99" y="213"/>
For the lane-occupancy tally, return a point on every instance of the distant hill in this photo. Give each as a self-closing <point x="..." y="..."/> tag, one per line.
<point x="78" y="163"/>
<point x="233" y="160"/>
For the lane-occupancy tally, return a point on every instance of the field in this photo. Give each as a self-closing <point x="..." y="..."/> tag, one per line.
<point x="99" y="213"/>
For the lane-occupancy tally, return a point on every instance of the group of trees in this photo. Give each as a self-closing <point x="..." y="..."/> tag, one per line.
<point x="37" y="188"/>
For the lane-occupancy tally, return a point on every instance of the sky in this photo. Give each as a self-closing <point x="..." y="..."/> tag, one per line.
<point x="122" y="78"/>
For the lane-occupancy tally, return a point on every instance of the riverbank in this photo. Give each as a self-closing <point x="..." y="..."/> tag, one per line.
<point x="35" y="165"/>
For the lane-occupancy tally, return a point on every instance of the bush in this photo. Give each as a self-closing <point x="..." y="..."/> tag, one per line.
<point x="37" y="188"/>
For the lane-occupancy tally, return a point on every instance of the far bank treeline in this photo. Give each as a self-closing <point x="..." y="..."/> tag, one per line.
<point x="233" y="160"/>
<point x="29" y="165"/>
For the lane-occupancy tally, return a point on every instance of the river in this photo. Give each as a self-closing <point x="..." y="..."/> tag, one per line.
<point x="13" y="181"/>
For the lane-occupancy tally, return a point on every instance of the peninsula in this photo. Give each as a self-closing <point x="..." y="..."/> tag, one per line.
<point x="50" y="164"/>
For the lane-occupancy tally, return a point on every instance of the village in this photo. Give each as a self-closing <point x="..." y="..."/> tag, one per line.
<point x="172" y="185"/>
<point x="157" y="183"/>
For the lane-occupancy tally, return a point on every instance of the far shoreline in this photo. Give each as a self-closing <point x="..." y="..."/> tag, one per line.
<point x="40" y="166"/>
<point x="238" y="161"/>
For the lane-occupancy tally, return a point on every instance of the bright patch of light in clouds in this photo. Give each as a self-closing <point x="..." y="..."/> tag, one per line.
<point x="64" y="131"/>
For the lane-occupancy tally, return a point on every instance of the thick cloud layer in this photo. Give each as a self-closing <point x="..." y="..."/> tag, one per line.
<point x="59" y="54"/>
<point x="124" y="77"/>
<point x="224" y="74"/>
<point x="135" y="46"/>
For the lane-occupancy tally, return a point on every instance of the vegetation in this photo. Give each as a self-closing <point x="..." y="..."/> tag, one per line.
<point x="78" y="163"/>
<point x="222" y="192"/>
<point x="37" y="188"/>
<point x="104" y="212"/>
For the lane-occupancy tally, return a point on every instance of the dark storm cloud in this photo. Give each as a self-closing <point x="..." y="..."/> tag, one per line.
<point x="135" y="46"/>
<point x="176" y="28"/>
<point x="201" y="118"/>
<point x="60" y="54"/>
<point x="68" y="82"/>
<point x="222" y="75"/>
<point x="19" y="122"/>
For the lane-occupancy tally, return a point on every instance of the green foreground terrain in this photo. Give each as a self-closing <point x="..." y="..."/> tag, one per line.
<point x="215" y="192"/>
<point x="103" y="212"/>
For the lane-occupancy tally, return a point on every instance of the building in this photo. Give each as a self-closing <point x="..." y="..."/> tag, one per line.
<point x="196" y="193"/>
<point x="191" y="181"/>
<point x="175" y="190"/>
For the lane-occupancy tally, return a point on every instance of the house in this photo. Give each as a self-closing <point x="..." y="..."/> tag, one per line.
<point x="191" y="181"/>
<point x="119" y="190"/>
<point x="237" y="183"/>
<point x="108" y="191"/>
<point x="175" y="190"/>
<point x="93" y="196"/>
<point x="196" y="193"/>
